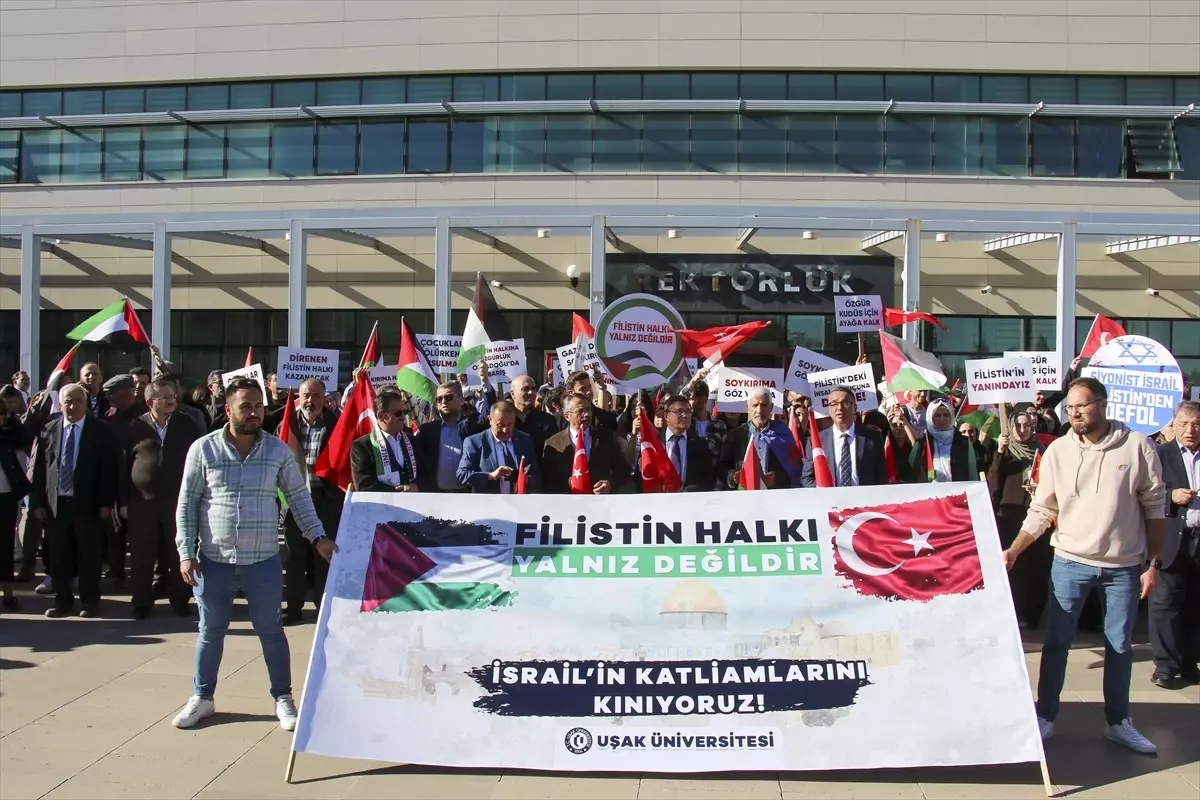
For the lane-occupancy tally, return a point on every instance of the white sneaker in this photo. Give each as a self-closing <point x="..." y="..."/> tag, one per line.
<point x="285" y="710"/>
<point x="197" y="708"/>
<point x="1046" y="727"/>
<point x="1128" y="735"/>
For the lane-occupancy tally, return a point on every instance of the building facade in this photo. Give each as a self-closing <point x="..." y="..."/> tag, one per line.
<point x="252" y="173"/>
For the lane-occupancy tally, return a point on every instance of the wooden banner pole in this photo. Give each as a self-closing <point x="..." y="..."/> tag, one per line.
<point x="862" y="347"/>
<point x="1045" y="777"/>
<point x="1004" y="419"/>
<point x="287" y="775"/>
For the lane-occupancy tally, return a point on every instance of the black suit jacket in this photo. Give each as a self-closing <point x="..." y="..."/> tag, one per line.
<point x="606" y="462"/>
<point x="153" y="468"/>
<point x="734" y="451"/>
<point x="101" y="405"/>
<point x="699" y="470"/>
<point x="1175" y="476"/>
<point x="962" y="467"/>
<point x="365" y="471"/>
<point x="428" y="443"/>
<point x="15" y="436"/>
<point x="868" y="456"/>
<point x="97" y="465"/>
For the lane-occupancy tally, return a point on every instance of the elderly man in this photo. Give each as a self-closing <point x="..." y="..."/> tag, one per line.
<point x="73" y="494"/>
<point x="1101" y="488"/>
<point x="607" y="468"/>
<point x="92" y="380"/>
<point x="1175" y="603"/>
<point x="854" y="450"/>
<point x="781" y="461"/>
<point x="490" y="459"/>
<point x="227" y="537"/>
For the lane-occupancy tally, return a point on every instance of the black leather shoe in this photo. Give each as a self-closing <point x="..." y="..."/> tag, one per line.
<point x="293" y="617"/>
<point x="184" y="610"/>
<point x="1191" y="675"/>
<point x="58" y="613"/>
<point x="1162" y="680"/>
<point x="10" y="603"/>
<point x="89" y="612"/>
<point x="139" y="612"/>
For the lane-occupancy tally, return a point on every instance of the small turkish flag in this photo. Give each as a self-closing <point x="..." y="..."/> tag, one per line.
<point x="908" y="551"/>
<point x="1101" y="331"/>
<point x="581" y="479"/>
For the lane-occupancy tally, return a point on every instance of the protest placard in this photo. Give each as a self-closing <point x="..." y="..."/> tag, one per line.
<point x="857" y="313"/>
<point x="732" y="386"/>
<point x="567" y="633"/>
<point x="383" y="375"/>
<point x="442" y="352"/>
<point x="1143" y="380"/>
<point x="254" y="372"/>
<point x="860" y="378"/>
<point x="805" y="361"/>
<point x="505" y="360"/>
<point x="1046" y="376"/>
<point x="991" y="381"/>
<point x="566" y="360"/>
<point x="297" y="364"/>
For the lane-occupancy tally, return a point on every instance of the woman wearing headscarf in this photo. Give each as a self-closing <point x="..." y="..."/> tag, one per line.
<point x="1011" y="480"/>
<point x="942" y="454"/>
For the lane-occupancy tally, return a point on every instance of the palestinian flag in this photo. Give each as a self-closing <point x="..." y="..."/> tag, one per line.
<point x="413" y="373"/>
<point x="985" y="419"/>
<point x="109" y="321"/>
<point x="582" y="332"/>
<point x="370" y="356"/>
<point x="485" y="325"/>
<point x="60" y="377"/>
<point x="907" y="367"/>
<point x="435" y="565"/>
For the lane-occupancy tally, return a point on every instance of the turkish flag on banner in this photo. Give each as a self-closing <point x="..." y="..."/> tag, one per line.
<point x="1101" y="331"/>
<point x="908" y="551"/>
<point x="581" y="479"/>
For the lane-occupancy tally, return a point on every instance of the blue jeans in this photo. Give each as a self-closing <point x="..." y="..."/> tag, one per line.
<point x="263" y="585"/>
<point x="1070" y="584"/>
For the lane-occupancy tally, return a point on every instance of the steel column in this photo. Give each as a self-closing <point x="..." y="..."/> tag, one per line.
<point x="297" y="284"/>
<point x="911" y="277"/>
<point x="443" y="279"/>
<point x="31" y="305"/>
<point x="160" y="311"/>
<point x="1064" y="315"/>
<point x="599" y="252"/>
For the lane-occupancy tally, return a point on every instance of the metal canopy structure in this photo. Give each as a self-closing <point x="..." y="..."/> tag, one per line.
<point x="604" y="225"/>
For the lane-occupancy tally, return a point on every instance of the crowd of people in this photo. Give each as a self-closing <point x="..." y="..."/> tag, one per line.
<point x="206" y="500"/>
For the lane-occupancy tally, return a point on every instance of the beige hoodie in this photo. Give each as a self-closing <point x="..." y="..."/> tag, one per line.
<point x="1101" y="495"/>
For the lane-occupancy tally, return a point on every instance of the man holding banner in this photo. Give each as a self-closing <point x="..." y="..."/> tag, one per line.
<point x="780" y="459"/>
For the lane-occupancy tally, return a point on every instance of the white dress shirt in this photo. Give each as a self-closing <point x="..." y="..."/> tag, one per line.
<point x="62" y="446"/>
<point x="838" y="438"/>
<point x="1191" y="465"/>
<point x="160" y="430"/>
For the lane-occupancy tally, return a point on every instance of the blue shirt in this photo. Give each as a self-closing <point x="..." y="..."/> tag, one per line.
<point x="449" y="454"/>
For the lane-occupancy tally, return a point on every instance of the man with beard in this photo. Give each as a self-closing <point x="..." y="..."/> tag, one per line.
<point x="781" y="461"/>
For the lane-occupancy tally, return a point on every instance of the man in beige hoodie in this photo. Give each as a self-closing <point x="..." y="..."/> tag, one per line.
<point x="1103" y="483"/>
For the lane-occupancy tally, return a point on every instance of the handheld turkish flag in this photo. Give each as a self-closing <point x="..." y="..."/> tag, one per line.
<point x="658" y="473"/>
<point x="581" y="479"/>
<point x="889" y="460"/>
<point x="522" y="485"/>
<point x="1036" y="468"/>
<point x="1101" y="331"/>
<point x="357" y="419"/>
<point x="717" y="344"/>
<point x="908" y="551"/>
<point x="894" y="317"/>
<point x="821" y="472"/>
<point x="751" y="476"/>
<point x="794" y="427"/>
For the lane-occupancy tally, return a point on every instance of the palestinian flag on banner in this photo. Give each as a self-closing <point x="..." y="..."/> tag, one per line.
<point x="60" y="377"/>
<point x="907" y="367"/>
<point x="485" y="325"/>
<point x="413" y="373"/>
<point x="370" y="356"/>
<point x="118" y="319"/>
<point x="435" y="565"/>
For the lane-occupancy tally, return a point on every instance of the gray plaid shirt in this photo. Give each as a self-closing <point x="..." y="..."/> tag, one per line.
<point x="310" y="440"/>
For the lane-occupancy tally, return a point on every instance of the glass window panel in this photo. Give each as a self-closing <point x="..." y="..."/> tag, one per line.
<point x="961" y="335"/>
<point x="1101" y="91"/>
<point x="250" y="95"/>
<point x="1149" y="91"/>
<point x="811" y="143"/>
<point x="764" y="143"/>
<point x="618" y="86"/>
<point x="381" y="91"/>
<point x="35" y="104"/>
<point x="428" y="146"/>
<point x="166" y="98"/>
<point x="83" y="101"/>
<point x="1189" y="366"/>
<point x="1185" y="338"/>
<point x="860" y="143"/>
<point x="124" y="101"/>
<point x="292" y="148"/>
<point x="10" y="104"/>
<point x="331" y="326"/>
<point x="206" y="151"/>
<point x="618" y="146"/>
<point x="198" y="328"/>
<point x="1053" y="146"/>
<point x="1187" y="90"/>
<point x="909" y="144"/>
<point x="1000" y="334"/>
<point x="41" y="156"/>
<point x="1157" y="329"/>
<point x="912" y="88"/>
<point x="339" y="93"/>
<point x="123" y="154"/>
<point x="81" y="154"/>
<point x="1052" y="89"/>
<point x="249" y="150"/>
<point x="1005" y="146"/>
<point x="1187" y="139"/>
<point x="807" y="330"/>
<point x="811" y="86"/>
<point x="1043" y="333"/>
<point x="204" y="98"/>
<point x="854" y="86"/>
<point x="569" y="86"/>
<point x="665" y="86"/>
<point x="10" y="156"/>
<point x="715" y="86"/>
<point x="429" y="90"/>
<point x="523" y="87"/>
<point x="1004" y="89"/>
<point x="290" y="94"/>
<point x="476" y="88"/>
<point x="956" y="88"/>
<point x="1101" y="148"/>
<point x="569" y="142"/>
<point x="521" y="144"/>
<point x="163" y="151"/>
<point x="715" y="142"/>
<point x="665" y="144"/>
<point x="469" y="149"/>
<point x="956" y="145"/>
<point x="1082" y="326"/>
<point x="382" y="147"/>
<point x="337" y="148"/>
<point x="764" y="86"/>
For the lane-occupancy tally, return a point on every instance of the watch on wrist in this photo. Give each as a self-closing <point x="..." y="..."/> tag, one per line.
<point x="1156" y="563"/>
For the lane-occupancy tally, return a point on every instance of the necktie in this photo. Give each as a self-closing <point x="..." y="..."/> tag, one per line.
<point x="66" y="472"/>
<point x="845" y="476"/>
<point x="676" y="458"/>
<point x="508" y="456"/>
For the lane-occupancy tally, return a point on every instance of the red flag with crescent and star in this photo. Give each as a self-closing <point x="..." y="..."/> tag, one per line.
<point x="908" y="551"/>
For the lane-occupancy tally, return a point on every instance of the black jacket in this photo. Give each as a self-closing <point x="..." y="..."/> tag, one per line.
<point x="366" y="471"/>
<point x="733" y="452"/>
<point x="868" y="456"/>
<point x="15" y="437"/>
<point x="153" y="469"/>
<point x="962" y="466"/>
<point x="699" y="471"/>
<point x="428" y="443"/>
<point x="97" y="465"/>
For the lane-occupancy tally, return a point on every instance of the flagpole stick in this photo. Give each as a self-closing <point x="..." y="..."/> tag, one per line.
<point x="862" y="348"/>
<point x="1004" y="419"/>
<point x="1046" y="777"/>
<point x="287" y="775"/>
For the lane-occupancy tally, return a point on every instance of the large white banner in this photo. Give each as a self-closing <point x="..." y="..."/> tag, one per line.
<point x="822" y="629"/>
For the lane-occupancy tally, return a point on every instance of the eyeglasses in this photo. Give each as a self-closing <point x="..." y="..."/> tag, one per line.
<point x="841" y="403"/>
<point x="1079" y="408"/>
<point x="680" y="412"/>
<point x="445" y="398"/>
